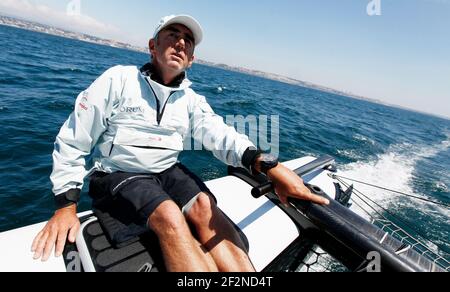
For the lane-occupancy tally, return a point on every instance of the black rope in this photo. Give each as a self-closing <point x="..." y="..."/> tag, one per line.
<point x="393" y="191"/>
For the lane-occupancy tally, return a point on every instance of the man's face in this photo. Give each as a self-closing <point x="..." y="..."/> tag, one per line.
<point x="174" y="48"/>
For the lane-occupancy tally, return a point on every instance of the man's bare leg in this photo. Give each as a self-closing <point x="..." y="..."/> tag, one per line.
<point x="181" y="252"/>
<point x="209" y="259"/>
<point x="218" y="236"/>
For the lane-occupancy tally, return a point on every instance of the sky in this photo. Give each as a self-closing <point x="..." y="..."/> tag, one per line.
<point x="400" y="54"/>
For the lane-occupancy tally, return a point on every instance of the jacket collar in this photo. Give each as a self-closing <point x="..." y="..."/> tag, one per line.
<point x="148" y="70"/>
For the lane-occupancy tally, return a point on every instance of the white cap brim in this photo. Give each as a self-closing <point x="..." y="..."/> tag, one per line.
<point x="186" y="20"/>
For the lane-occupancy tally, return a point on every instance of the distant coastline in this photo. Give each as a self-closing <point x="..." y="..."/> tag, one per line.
<point x="43" y="28"/>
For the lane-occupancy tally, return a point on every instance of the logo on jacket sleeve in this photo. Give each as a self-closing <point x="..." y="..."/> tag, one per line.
<point x="84" y="101"/>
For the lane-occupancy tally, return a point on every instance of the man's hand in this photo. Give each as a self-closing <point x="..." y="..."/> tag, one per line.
<point x="288" y="184"/>
<point x="64" y="222"/>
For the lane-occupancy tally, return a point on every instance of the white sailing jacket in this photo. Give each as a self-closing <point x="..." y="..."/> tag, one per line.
<point x="130" y="123"/>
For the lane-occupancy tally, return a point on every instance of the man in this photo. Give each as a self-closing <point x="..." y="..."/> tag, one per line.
<point x="135" y="121"/>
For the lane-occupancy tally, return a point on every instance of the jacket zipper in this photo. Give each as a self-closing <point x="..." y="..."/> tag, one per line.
<point x="159" y="115"/>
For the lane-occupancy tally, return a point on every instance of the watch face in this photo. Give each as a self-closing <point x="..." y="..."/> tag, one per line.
<point x="268" y="162"/>
<point x="268" y="158"/>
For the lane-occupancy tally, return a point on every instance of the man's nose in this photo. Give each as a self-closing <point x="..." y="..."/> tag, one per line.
<point x="181" y="44"/>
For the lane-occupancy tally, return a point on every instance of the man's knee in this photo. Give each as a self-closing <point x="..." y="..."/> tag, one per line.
<point x="202" y="210"/>
<point x="167" y="218"/>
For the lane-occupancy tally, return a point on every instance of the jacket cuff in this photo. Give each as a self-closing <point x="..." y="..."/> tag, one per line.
<point x="249" y="157"/>
<point x="67" y="199"/>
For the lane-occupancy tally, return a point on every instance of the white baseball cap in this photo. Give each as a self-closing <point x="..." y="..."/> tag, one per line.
<point x="185" y="20"/>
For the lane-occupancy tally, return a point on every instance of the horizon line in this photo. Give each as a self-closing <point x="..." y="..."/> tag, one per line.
<point x="243" y="70"/>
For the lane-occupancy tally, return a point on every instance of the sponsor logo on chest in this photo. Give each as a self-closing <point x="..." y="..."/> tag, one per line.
<point x="132" y="110"/>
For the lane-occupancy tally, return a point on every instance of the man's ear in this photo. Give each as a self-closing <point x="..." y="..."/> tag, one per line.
<point x="191" y="61"/>
<point x="152" y="47"/>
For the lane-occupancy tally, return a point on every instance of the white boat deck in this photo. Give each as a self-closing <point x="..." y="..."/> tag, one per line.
<point x="268" y="229"/>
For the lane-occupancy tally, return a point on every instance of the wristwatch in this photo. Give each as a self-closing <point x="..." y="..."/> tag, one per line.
<point x="265" y="162"/>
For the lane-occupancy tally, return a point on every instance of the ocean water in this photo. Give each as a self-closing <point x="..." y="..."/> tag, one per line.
<point x="41" y="75"/>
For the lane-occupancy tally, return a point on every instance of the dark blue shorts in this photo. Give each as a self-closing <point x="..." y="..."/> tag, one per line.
<point x="141" y="194"/>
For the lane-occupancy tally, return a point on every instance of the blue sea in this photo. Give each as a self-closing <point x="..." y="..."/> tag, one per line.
<point x="41" y="75"/>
